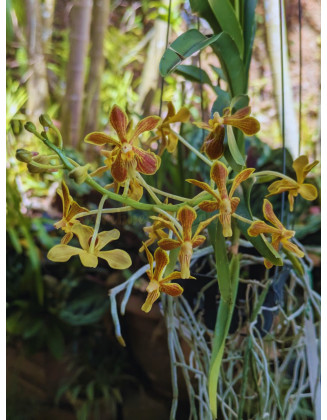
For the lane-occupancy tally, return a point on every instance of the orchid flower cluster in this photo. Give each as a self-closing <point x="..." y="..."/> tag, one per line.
<point x="127" y="159"/>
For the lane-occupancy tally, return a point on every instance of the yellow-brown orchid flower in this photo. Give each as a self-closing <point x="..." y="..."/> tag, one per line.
<point x="224" y="202"/>
<point x="116" y="258"/>
<point x="135" y="189"/>
<point x="126" y="158"/>
<point x="69" y="210"/>
<point x="165" y="133"/>
<point x="185" y="240"/>
<point x="307" y="191"/>
<point x="159" y="284"/>
<point x="279" y="234"/>
<point x="155" y="233"/>
<point x="213" y="144"/>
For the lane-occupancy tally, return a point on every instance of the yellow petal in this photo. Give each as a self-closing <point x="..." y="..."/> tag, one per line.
<point x="204" y="186"/>
<point x="241" y="177"/>
<point x="270" y="215"/>
<point x="308" y="192"/>
<point x="292" y="247"/>
<point x="84" y="233"/>
<point x="151" y="298"/>
<point x="62" y="252"/>
<point x="302" y="167"/>
<point x="182" y="115"/>
<point x="259" y="227"/>
<point x="173" y="276"/>
<point x="116" y="258"/>
<point x="184" y="257"/>
<point x="172" y="289"/>
<point x="172" y="142"/>
<point x="198" y="240"/>
<point x="88" y="259"/>
<point x="226" y="221"/>
<point x="204" y="224"/>
<point x="149" y="257"/>
<point x="161" y="258"/>
<point x="106" y="237"/>
<point x="169" y="244"/>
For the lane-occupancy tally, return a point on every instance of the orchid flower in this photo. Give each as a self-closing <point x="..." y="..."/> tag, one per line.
<point x="185" y="239"/>
<point x="279" y="234"/>
<point x="224" y="202"/>
<point x="159" y="284"/>
<point x="213" y="144"/>
<point x="116" y="258"/>
<point x="126" y="158"/>
<point x="69" y="210"/>
<point x="307" y="191"/>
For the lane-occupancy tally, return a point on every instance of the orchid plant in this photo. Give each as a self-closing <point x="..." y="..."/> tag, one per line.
<point x="173" y="229"/>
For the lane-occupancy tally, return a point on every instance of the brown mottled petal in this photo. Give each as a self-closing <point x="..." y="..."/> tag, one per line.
<point x="209" y="206"/>
<point x="118" y="169"/>
<point x="173" y="276"/>
<point x="182" y="115"/>
<point x="204" y="224"/>
<point x="147" y="162"/>
<point x="171" y="110"/>
<point x="100" y="139"/>
<point x="308" y="192"/>
<point x="169" y="244"/>
<point x="204" y="186"/>
<point x="119" y="122"/>
<point x="117" y="259"/>
<point x="106" y="237"/>
<point x="198" y="240"/>
<point x="84" y="233"/>
<point x="241" y="113"/>
<point x="67" y="238"/>
<point x="147" y="124"/>
<point x="241" y="177"/>
<point x="99" y="172"/>
<point x="186" y="216"/>
<point x="248" y="125"/>
<point x="161" y="258"/>
<point x="226" y="222"/>
<point x="234" y="202"/>
<point x="219" y="174"/>
<point x="258" y="227"/>
<point x="269" y="214"/>
<point x="214" y="143"/>
<point x="292" y="248"/>
<point x="75" y="209"/>
<point x="167" y="224"/>
<point x="151" y="298"/>
<point x="267" y="263"/>
<point x="172" y="289"/>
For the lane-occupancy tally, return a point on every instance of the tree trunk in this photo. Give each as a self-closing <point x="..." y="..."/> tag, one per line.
<point x="37" y="83"/>
<point x="272" y="19"/>
<point x="73" y="102"/>
<point x="150" y="74"/>
<point x="98" y="30"/>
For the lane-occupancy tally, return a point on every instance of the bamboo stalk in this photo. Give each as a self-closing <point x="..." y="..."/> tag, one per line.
<point x="99" y="24"/>
<point x="73" y="101"/>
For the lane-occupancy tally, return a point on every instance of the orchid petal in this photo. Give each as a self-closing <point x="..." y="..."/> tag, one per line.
<point x="204" y="186"/>
<point x="213" y="144"/>
<point x="241" y="177"/>
<point x="186" y="216"/>
<point x="99" y="171"/>
<point x="292" y="248"/>
<point x="67" y="238"/>
<point x="100" y="139"/>
<point x="62" y="252"/>
<point x="270" y="215"/>
<point x="234" y="202"/>
<point x="84" y="234"/>
<point x="308" y="192"/>
<point x="119" y="121"/>
<point x="204" y="224"/>
<point x="182" y="115"/>
<point x="168" y="244"/>
<point x="116" y="258"/>
<point x="118" y="169"/>
<point x="149" y="257"/>
<point x="198" y="240"/>
<point x="173" y="276"/>
<point x="226" y="222"/>
<point x="209" y="206"/>
<point x="172" y="142"/>
<point x="219" y="174"/>
<point x="88" y="259"/>
<point x="259" y="227"/>
<point x="147" y="162"/>
<point x="151" y="298"/>
<point x="106" y="237"/>
<point x="147" y="124"/>
<point x="172" y="289"/>
<point x="302" y="167"/>
<point x="161" y="258"/>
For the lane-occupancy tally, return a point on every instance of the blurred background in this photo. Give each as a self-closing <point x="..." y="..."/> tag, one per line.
<point x="74" y="60"/>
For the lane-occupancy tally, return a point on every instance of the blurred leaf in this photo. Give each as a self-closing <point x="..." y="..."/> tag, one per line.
<point x="222" y="101"/>
<point x="227" y="19"/>
<point x="202" y="8"/>
<point x="219" y="72"/>
<point x="55" y="341"/>
<point x="239" y="102"/>
<point x="184" y="46"/>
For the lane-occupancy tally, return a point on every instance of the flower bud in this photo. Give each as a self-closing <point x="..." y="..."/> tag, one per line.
<point x="45" y="120"/>
<point x="29" y="126"/>
<point x="24" y="155"/>
<point x="79" y="174"/>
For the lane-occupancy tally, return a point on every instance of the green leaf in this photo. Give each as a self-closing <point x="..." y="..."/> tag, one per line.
<point x="184" y="46"/>
<point x="203" y="9"/>
<point x="193" y="73"/>
<point x="219" y="72"/>
<point x="233" y="148"/>
<point x="239" y="102"/>
<point x="230" y="160"/>
<point x="231" y="63"/>
<point x="227" y="19"/>
<point x="249" y="29"/>
<point x="222" y="102"/>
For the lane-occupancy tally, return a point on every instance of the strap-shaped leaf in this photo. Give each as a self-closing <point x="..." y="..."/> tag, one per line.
<point x="227" y="19"/>
<point x="231" y="63"/>
<point x="202" y="8"/>
<point x="193" y="73"/>
<point x="249" y="28"/>
<point x="233" y="148"/>
<point x="184" y="46"/>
